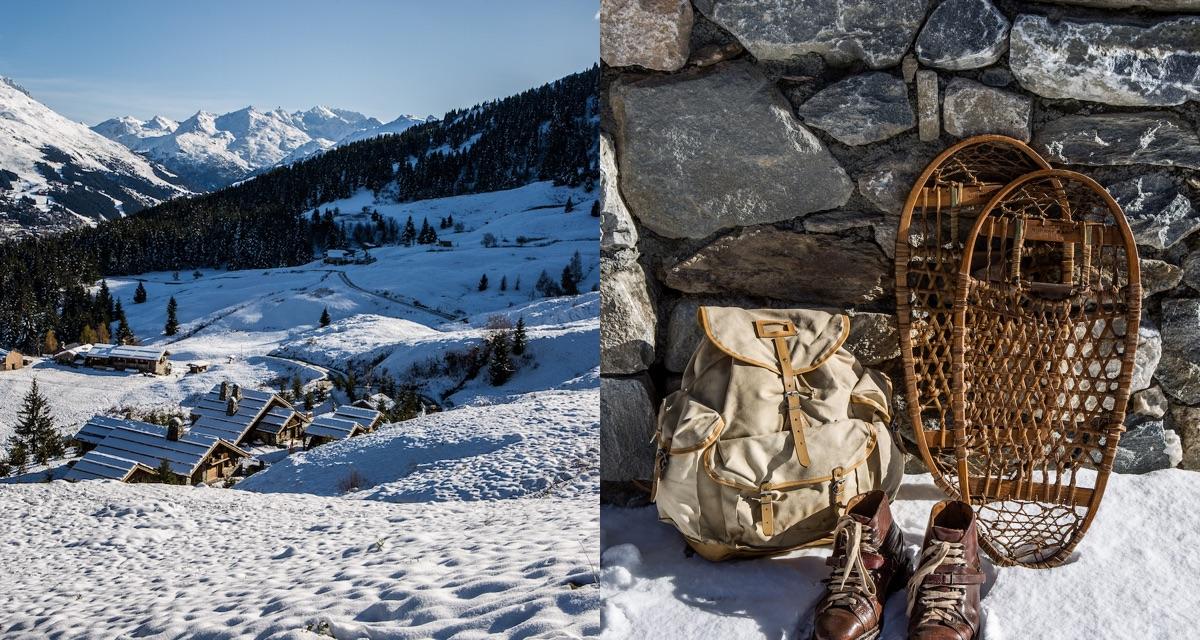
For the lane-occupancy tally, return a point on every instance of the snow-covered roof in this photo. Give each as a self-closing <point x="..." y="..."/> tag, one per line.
<point x="364" y="417"/>
<point x="97" y="429"/>
<point x="274" y="419"/>
<point x="327" y="426"/>
<point x="130" y="443"/>
<point x="127" y="351"/>
<point x="216" y="422"/>
<point x="336" y="253"/>
<point x="3" y="352"/>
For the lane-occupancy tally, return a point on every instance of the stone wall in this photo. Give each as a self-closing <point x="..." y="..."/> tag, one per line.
<point x="758" y="152"/>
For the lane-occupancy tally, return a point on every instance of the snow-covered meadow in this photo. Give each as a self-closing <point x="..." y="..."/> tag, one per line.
<point x="1133" y="576"/>
<point x="478" y="521"/>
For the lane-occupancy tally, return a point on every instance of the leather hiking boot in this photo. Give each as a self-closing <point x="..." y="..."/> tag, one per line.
<point x="943" y="594"/>
<point x="868" y="564"/>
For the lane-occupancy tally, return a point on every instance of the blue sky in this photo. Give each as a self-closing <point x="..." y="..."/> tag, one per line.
<point x="94" y="60"/>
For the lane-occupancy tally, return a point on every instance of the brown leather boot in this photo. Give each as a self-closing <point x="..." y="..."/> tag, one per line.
<point x="943" y="594"/>
<point x="868" y="563"/>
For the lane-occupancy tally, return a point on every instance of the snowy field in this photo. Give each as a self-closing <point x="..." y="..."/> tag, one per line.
<point x="1139" y="559"/>
<point x="259" y="326"/>
<point x="480" y="521"/>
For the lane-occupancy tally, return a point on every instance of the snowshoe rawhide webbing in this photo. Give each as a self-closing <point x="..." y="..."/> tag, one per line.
<point x="941" y="208"/>
<point x="1046" y="318"/>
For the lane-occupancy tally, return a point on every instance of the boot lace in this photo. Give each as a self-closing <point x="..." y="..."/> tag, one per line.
<point x="854" y="581"/>
<point x="942" y="603"/>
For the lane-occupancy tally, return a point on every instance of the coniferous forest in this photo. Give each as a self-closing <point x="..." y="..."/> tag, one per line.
<point x="546" y="133"/>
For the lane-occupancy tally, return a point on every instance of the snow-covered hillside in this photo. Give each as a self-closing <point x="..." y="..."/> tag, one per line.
<point x="412" y="304"/>
<point x="477" y="521"/>
<point x="55" y="173"/>
<point x="1133" y="576"/>
<point x="210" y="151"/>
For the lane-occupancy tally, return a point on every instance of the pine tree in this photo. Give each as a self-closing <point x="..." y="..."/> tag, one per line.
<point x="124" y="333"/>
<point x="309" y="401"/>
<point x="520" y="338"/>
<point x="50" y="342"/>
<point x="504" y="283"/>
<point x="164" y="473"/>
<point x="139" y="296"/>
<point x="500" y="366"/>
<point x="104" y="302"/>
<point x="35" y="433"/>
<point x="428" y="234"/>
<point x="409" y="235"/>
<point x="596" y="209"/>
<point x="297" y="387"/>
<point x="567" y="282"/>
<point x="172" y="326"/>
<point x="483" y="282"/>
<point x="576" y="267"/>
<point x="570" y="206"/>
<point x="325" y="320"/>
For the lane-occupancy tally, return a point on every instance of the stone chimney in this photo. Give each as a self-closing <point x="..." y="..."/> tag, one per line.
<point x="174" y="429"/>
<point x="231" y="405"/>
<point x="235" y="392"/>
<point x="224" y="390"/>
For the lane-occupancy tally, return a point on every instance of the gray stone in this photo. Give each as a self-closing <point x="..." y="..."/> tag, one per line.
<point x="647" y="33"/>
<point x="873" y="337"/>
<point x="1146" y="447"/>
<point x="1148" y="402"/>
<point x="963" y="34"/>
<point x="831" y="270"/>
<point x="627" y="428"/>
<point x="927" y="106"/>
<point x="1108" y="62"/>
<point x="713" y="148"/>
<point x="1159" y="276"/>
<point x="1159" y="213"/>
<point x="908" y="68"/>
<point x="617" y="230"/>
<point x="1149" y="354"/>
<point x="628" y="323"/>
<point x="1156" y="138"/>
<point x="877" y="33"/>
<point x="1151" y="5"/>
<point x="683" y="334"/>
<point x="861" y="109"/>
<point x="1185" y="421"/>
<point x="970" y="108"/>
<point x="996" y="77"/>
<point x="1179" y="369"/>
<point x="883" y="225"/>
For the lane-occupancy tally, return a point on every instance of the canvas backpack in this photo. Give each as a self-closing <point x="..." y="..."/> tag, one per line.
<point x="776" y="425"/>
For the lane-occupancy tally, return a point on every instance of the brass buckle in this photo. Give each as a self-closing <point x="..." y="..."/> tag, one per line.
<point x="787" y="328"/>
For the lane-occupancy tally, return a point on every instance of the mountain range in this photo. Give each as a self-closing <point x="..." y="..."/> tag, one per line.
<point x="55" y="173"/>
<point x="210" y="151"/>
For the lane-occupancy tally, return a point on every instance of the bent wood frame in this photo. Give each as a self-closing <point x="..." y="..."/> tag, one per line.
<point x="1044" y="401"/>
<point x="926" y="276"/>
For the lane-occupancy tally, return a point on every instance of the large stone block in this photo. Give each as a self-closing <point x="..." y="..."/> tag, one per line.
<point x="1160" y="214"/>
<point x="1111" y="62"/>
<point x="963" y="34"/>
<point x="1159" y="276"/>
<point x="628" y="323"/>
<point x="1185" y="421"/>
<point x="617" y="230"/>
<point x="1156" y="138"/>
<point x="714" y="148"/>
<point x="1179" y="369"/>
<point x="831" y="270"/>
<point x="627" y="427"/>
<point x="970" y="108"/>
<point x="861" y="109"/>
<point x="647" y="33"/>
<point x="843" y="32"/>
<point x="1146" y="446"/>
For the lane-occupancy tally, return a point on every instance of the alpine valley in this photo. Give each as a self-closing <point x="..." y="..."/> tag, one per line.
<point x="445" y="275"/>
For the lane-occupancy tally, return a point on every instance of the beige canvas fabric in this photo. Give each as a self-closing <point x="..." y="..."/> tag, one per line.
<point x="729" y="474"/>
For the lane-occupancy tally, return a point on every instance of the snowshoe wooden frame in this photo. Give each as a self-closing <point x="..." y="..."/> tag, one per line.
<point x="935" y="221"/>
<point x="1046" y="318"/>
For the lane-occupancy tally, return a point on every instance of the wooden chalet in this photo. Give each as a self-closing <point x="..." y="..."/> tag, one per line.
<point x="241" y="416"/>
<point x="121" y="357"/>
<point x="345" y="422"/>
<point x="11" y="360"/>
<point x="132" y="451"/>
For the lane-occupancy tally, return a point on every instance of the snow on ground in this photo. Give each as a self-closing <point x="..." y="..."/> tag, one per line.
<point x="537" y="444"/>
<point x="258" y="326"/>
<point x="1133" y="576"/>
<point x="106" y="560"/>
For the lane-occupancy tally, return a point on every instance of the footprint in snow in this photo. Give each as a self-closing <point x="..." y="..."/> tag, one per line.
<point x="285" y="552"/>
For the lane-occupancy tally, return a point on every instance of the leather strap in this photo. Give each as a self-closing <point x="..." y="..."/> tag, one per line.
<point x="795" y="414"/>
<point x="766" y="501"/>
<point x="949" y="579"/>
